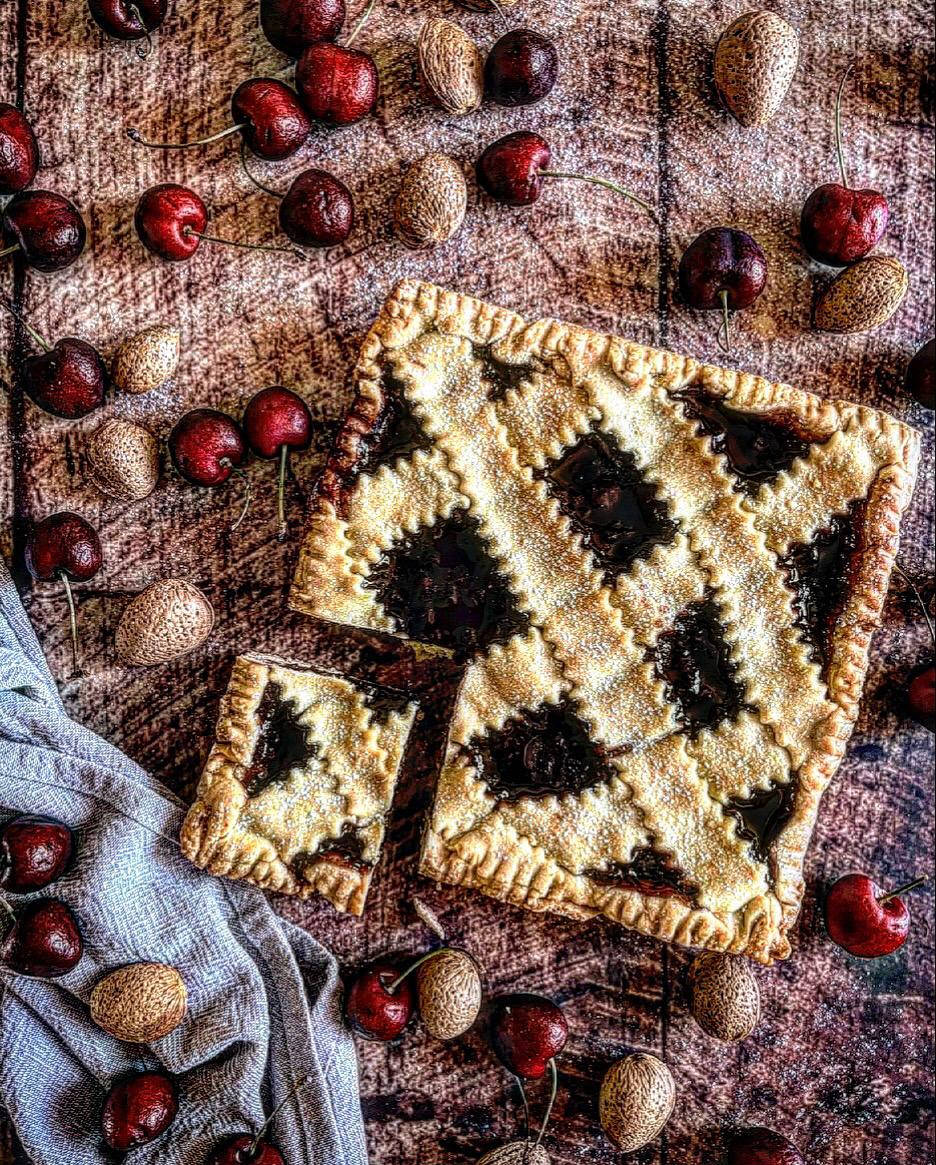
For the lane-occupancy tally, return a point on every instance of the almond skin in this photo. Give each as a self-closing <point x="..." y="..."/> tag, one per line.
<point x="449" y="987"/>
<point x="432" y="201"/>
<point x="755" y="61"/>
<point x="863" y="296"/>
<point x="123" y="460"/>
<point x="516" y="1153"/>
<point x="636" y="1100"/>
<point x="168" y="619"/>
<point x="140" y="1003"/>
<point x="147" y="360"/>
<point x="450" y="67"/>
<point x="725" y="997"/>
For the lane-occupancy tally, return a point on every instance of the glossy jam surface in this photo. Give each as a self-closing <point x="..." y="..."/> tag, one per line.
<point x="397" y="431"/>
<point x="441" y="586"/>
<point x="539" y="753"/>
<point x="650" y="872"/>
<point x="761" y="817"/>
<point x="283" y="742"/>
<point x="756" y="447"/>
<point x="818" y="574"/>
<point x="694" y="662"/>
<point x="603" y="493"/>
<point x="346" y="851"/>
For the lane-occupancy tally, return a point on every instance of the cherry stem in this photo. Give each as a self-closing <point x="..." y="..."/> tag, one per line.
<point x="725" y="326"/>
<point x="919" y="598"/>
<point x="644" y="206"/>
<point x="21" y="319"/>
<point x="234" y="243"/>
<point x="9" y="250"/>
<point x="282" y="530"/>
<point x="500" y="12"/>
<point x="297" y="1088"/>
<point x="72" y="617"/>
<point x="903" y="890"/>
<point x="247" y="491"/>
<point x="526" y="1106"/>
<point x="143" y="50"/>
<point x="391" y="990"/>
<point x="552" y="1100"/>
<point x="256" y="181"/>
<point x="365" y="16"/>
<point x="838" y="127"/>
<point x="135" y="136"/>
<point x="9" y="919"/>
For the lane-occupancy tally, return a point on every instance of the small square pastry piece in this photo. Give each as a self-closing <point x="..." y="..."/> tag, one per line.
<point x="663" y="578"/>
<point x="297" y="787"/>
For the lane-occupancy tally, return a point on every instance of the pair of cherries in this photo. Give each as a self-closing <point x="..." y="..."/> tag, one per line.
<point x="208" y="446"/>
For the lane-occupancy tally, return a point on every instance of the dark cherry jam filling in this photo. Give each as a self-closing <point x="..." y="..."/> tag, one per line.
<point x="761" y="817"/>
<point x="546" y="751"/>
<point x="694" y="662"/>
<point x="818" y="573"/>
<point x="441" y="586"/>
<point x="346" y="850"/>
<point x="499" y="377"/>
<point x="396" y="432"/>
<point x="650" y="872"/>
<point x="382" y="702"/>
<point x="283" y="742"/>
<point x="756" y="447"/>
<point x="604" y="495"/>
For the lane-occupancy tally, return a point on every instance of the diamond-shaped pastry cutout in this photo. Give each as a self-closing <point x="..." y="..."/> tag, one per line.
<point x="756" y="447"/>
<point x="609" y="503"/>
<point x="396" y="432"/>
<point x="763" y="815"/>
<point x="694" y="661"/>
<point x="442" y="586"/>
<point x="651" y="872"/>
<point x="282" y="742"/>
<point x="541" y="752"/>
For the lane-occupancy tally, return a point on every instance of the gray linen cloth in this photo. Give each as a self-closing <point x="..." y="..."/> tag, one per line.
<point x="263" y="995"/>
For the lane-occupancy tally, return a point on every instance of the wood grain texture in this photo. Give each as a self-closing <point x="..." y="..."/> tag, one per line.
<point x="842" y="1060"/>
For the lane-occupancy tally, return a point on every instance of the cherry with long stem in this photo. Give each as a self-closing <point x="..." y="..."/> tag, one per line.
<point x="839" y="149"/>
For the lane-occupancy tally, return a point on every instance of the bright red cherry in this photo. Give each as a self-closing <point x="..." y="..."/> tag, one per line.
<point x="206" y="447"/>
<point x="864" y="919"/>
<point x="527" y="1031"/>
<point x="511" y="170"/>
<point x="44" y="940"/>
<point x="45" y="228"/>
<point x="337" y="84"/>
<point x="372" y="1010"/>
<point x="921" y="696"/>
<point x="521" y="68"/>
<point x="292" y="25"/>
<point x="921" y="378"/>
<point x="66" y="547"/>
<point x="34" y="853"/>
<point x="138" y="1109"/>
<point x="19" y="150"/>
<point x="129" y="19"/>
<point x="275" y="421"/>
<point x="761" y="1147"/>
<point x="265" y="111"/>
<point x="317" y="210"/>
<point x="170" y="221"/>
<point x="722" y="270"/>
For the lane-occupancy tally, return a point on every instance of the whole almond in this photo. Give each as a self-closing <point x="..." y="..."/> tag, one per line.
<point x="449" y="986"/>
<point x="755" y="61"/>
<point x="168" y="619"/>
<point x="636" y="1100"/>
<point x="147" y="360"/>
<point x="725" y="997"/>
<point x="516" y="1153"/>
<point x="450" y="66"/>
<point x="863" y="296"/>
<point x="123" y="459"/>
<point x="140" y="1003"/>
<point x="431" y="204"/>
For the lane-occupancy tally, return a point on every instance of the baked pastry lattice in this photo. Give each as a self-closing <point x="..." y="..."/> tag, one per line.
<point x="663" y="578"/>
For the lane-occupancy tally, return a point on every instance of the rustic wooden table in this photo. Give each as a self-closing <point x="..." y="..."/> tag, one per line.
<point x="842" y="1060"/>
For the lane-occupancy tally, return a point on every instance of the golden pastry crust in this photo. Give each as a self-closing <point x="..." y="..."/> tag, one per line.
<point x="590" y="638"/>
<point x="284" y="831"/>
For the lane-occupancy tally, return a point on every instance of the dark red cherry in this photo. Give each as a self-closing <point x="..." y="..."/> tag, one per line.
<point x="839" y="225"/>
<point x="63" y="543"/>
<point x="170" y="220"/>
<point x="317" y="210"/>
<point x="44" y="940"/>
<point x="864" y="919"/>
<point x="521" y="68"/>
<point x="34" y="853"/>
<point x="761" y="1147"/>
<point x="527" y="1031"/>
<point x="45" y="228"/>
<point x="276" y="418"/>
<point x="722" y="262"/>
<point x="206" y="446"/>
<point x="372" y="1010"/>
<point x="246" y="1150"/>
<point x="292" y="25"/>
<point x="138" y="1109"/>
<point x="19" y="150"/>
<point x="128" y="19"/>
<point x="68" y="380"/>
<point x="921" y="696"/>
<point x="510" y="169"/>
<point x="336" y="84"/>
<point x="921" y="379"/>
